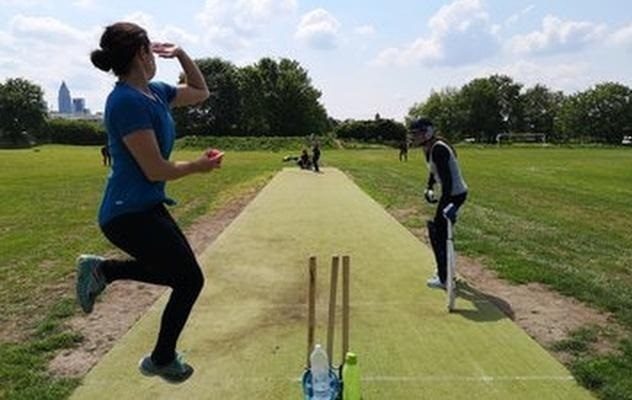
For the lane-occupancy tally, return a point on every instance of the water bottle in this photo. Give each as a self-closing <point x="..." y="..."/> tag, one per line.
<point x="320" y="374"/>
<point x="351" y="378"/>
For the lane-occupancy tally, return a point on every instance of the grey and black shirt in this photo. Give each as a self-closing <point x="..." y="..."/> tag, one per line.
<point x="444" y="169"/>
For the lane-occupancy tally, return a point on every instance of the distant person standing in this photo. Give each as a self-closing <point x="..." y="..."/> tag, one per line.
<point x="316" y="156"/>
<point x="133" y="216"/>
<point x="107" y="158"/>
<point x="403" y="150"/>
<point x="444" y="169"/>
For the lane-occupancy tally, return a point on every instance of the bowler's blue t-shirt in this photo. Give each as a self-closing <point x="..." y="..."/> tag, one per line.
<point x="128" y="110"/>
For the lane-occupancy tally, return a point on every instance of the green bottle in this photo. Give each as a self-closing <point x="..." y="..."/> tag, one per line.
<point x="351" y="378"/>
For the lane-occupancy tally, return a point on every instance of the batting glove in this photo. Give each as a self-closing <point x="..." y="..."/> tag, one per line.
<point x="429" y="196"/>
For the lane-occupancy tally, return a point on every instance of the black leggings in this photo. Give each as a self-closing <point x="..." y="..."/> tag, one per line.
<point x="441" y="230"/>
<point x="162" y="256"/>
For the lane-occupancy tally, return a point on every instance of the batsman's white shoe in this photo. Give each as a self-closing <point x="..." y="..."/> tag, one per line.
<point x="435" y="283"/>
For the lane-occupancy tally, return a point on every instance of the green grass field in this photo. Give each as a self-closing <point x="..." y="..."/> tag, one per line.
<point x="247" y="334"/>
<point x="557" y="216"/>
<point x="47" y="217"/>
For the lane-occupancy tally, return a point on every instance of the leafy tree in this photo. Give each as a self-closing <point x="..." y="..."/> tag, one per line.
<point x="254" y="118"/>
<point x="376" y="131"/>
<point x="22" y="109"/>
<point x="540" y="107"/>
<point x="479" y="101"/>
<point x="78" y="132"/>
<point x="290" y="101"/>
<point x="221" y="112"/>
<point x="609" y="110"/>
<point x="508" y="97"/>
<point x="442" y="109"/>
<point x="571" y="121"/>
<point x="602" y="113"/>
<point x="267" y="98"/>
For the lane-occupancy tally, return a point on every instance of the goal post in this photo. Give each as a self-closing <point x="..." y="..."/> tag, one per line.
<point x="521" y="138"/>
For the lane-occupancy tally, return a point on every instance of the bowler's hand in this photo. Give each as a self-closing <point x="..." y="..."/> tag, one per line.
<point x="209" y="161"/>
<point x="166" y="50"/>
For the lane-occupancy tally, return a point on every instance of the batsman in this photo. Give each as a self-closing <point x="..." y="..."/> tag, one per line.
<point x="443" y="167"/>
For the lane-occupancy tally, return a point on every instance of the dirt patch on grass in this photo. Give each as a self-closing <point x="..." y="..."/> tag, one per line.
<point x="546" y="315"/>
<point x="124" y="302"/>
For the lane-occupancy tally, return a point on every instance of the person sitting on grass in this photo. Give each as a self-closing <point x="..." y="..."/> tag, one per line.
<point x="304" y="161"/>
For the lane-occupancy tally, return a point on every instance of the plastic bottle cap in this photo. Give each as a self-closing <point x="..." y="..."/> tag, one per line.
<point x="351" y="358"/>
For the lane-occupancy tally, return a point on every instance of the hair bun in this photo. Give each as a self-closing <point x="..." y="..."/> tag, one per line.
<point x="101" y="59"/>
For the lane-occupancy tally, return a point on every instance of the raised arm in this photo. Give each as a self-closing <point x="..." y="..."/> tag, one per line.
<point x="194" y="90"/>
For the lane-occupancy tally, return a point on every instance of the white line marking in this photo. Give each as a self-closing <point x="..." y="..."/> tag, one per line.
<point x="304" y="305"/>
<point x="466" y="378"/>
<point x="490" y="380"/>
<point x="438" y="378"/>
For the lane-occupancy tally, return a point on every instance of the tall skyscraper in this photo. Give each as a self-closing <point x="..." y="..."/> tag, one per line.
<point x="63" y="99"/>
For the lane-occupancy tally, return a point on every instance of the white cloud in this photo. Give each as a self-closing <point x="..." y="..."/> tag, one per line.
<point x="622" y="37"/>
<point x="233" y="25"/>
<point x="144" y="20"/>
<point x="251" y="13"/>
<point x="169" y="33"/>
<point x="459" y="15"/>
<point x="177" y="35"/>
<point x="23" y="3"/>
<point x="514" y="18"/>
<point x="84" y="3"/>
<point x="365" y="30"/>
<point x="319" y="29"/>
<point x="421" y="50"/>
<point x="461" y="33"/>
<point x="46" y="28"/>
<point x="565" y="76"/>
<point x="557" y="36"/>
<point x="47" y="51"/>
<point x="6" y="40"/>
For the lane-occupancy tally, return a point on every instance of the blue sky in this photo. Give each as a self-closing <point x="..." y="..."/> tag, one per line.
<point x="365" y="57"/>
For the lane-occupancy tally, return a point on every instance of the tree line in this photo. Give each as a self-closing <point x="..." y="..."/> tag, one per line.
<point x="277" y="98"/>
<point x="486" y="107"/>
<point x="268" y="98"/>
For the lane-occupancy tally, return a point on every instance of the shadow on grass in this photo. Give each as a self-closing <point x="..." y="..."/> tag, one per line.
<point x="487" y="307"/>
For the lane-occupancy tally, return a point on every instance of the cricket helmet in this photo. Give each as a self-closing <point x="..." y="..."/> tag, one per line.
<point x="422" y="126"/>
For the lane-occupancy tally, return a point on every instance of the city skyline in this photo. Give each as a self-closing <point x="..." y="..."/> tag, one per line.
<point x="66" y="104"/>
<point x="364" y="58"/>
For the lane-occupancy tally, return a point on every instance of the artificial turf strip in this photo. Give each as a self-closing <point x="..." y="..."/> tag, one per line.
<point x="247" y="334"/>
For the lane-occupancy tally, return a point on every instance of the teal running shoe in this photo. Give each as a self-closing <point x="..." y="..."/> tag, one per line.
<point x="90" y="280"/>
<point x="177" y="371"/>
